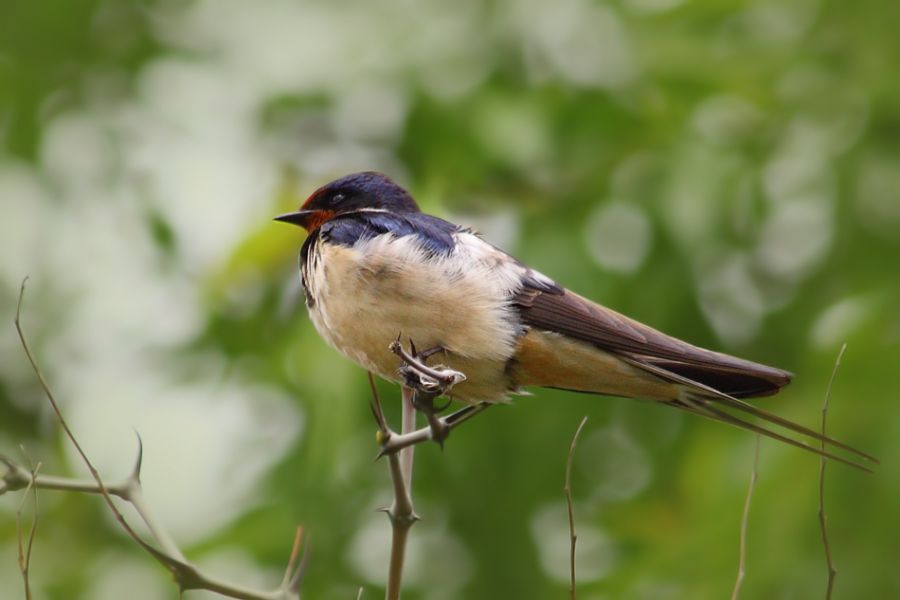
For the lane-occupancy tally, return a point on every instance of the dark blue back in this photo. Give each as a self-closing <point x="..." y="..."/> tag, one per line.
<point x="434" y="234"/>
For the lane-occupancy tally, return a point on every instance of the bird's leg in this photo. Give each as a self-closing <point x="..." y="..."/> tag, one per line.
<point x="427" y="383"/>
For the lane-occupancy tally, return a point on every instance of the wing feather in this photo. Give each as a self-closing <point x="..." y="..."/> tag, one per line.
<point x="707" y="379"/>
<point x="569" y="314"/>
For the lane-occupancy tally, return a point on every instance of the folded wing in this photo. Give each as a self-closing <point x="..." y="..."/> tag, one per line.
<point x="704" y="382"/>
<point x="569" y="314"/>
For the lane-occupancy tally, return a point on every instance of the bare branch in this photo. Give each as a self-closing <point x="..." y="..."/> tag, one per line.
<point x="402" y="513"/>
<point x="573" y="537"/>
<point x="742" y="560"/>
<point x="832" y="571"/>
<point x="397" y="442"/>
<point x="62" y="421"/>
<point x="423" y="384"/>
<point x="186" y="575"/>
<point x="23" y="547"/>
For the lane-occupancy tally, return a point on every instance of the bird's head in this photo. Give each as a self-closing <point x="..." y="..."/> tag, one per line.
<point x="360" y="191"/>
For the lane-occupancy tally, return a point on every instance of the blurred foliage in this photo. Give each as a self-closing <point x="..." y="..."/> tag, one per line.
<point x="726" y="171"/>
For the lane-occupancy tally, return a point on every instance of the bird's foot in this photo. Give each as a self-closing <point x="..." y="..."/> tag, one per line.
<point x="433" y="381"/>
<point x="428" y="384"/>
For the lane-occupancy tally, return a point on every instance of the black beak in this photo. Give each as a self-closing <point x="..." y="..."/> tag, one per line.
<point x="300" y="218"/>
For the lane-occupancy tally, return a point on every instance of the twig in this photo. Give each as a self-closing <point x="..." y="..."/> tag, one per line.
<point x="25" y="549"/>
<point x="62" y="421"/>
<point x="832" y="572"/>
<point x="396" y="442"/>
<point x="571" y="508"/>
<point x="742" y="560"/>
<point x="423" y="384"/>
<point x="186" y="575"/>
<point x="401" y="512"/>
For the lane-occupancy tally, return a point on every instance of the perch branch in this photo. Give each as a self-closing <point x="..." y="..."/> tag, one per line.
<point x="570" y="506"/>
<point x="401" y="512"/>
<point x="422" y="385"/>
<point x="832" y="572"/>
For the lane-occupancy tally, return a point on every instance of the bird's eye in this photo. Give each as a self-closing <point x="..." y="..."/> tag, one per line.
<point x="337" y="198"/>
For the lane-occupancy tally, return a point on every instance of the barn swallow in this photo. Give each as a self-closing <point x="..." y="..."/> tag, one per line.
<point x="373" y="266"/>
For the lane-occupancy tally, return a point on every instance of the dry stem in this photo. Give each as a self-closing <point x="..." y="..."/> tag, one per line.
<point x="423" y="385"/>
<point x="23" y="547"/>
<point x="401" y="512"/>
<point x="832" y="572"/>
<point x="745" y="518"/>
<point x="573" y="537"/>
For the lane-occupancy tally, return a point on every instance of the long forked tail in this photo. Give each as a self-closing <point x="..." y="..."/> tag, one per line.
<point x="703" y="400"/>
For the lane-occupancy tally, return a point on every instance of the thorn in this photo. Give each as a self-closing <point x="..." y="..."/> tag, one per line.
<point x="136" y="472"/>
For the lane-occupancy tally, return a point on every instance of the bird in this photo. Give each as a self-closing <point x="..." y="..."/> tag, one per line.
<point x="374" y="266"/>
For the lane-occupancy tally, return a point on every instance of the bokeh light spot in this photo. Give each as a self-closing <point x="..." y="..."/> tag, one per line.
<point x="618" y="236"/>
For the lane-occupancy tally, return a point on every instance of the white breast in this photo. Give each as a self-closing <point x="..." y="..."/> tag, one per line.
<point x="367" y="295"/>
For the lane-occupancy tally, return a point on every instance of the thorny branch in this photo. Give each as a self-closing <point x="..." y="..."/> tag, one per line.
<point x="832" y="572"/>
<point x="397" y="441"/>
<point x="573" y="538"/>
<point x="423" y="384"/>
<point x="186" y="575"/>
<point x="401" y="512"/>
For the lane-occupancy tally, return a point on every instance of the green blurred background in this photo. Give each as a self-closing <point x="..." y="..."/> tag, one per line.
<point x="727" y="171"/>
